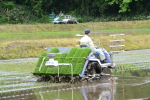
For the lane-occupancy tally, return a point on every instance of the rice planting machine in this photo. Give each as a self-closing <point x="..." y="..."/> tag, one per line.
<point x="72" y="64"/>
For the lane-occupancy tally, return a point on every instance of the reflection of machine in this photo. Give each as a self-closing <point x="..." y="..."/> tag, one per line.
<point x="86" y="91"/>
<point x="99" y="92"/>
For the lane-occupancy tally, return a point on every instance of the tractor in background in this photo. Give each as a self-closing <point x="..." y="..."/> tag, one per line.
<point x="63" y="19"/>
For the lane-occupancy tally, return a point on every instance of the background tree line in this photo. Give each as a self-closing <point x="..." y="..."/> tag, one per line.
<point x="29" y="11"/>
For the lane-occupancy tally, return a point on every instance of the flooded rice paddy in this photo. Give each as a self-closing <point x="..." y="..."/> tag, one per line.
<point x="127" y="83"/>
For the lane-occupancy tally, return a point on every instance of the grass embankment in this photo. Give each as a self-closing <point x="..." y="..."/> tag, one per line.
<point x="20" y="41"/>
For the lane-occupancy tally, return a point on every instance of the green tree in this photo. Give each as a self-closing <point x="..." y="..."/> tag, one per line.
<point x="123" y="4"/>
<point x="36" y="7"/>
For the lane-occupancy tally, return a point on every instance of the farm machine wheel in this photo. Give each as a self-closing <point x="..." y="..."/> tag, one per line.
<point x="93" y="68"/>
<point x="93" y="71"/>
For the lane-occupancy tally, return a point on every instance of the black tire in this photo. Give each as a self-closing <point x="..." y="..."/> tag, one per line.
<point x="93" y="68"/>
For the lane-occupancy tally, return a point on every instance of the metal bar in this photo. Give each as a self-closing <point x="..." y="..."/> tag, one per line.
<point x="116" y="40"/>
<point x="71" y="71"/>
<point x="118" y="35"/>
<point x="41" y="64"/>
<point x="58" y="71"/>
<point x="66" y="64"/>
<point x="117" y="51"/>
<point x="83" y="70"/>
<point x="79" y="35"/>
<point x="117" y="46"/>
<point x="70" y="57"/>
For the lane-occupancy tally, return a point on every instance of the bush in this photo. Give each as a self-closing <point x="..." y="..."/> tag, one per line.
<point x="43" y="19"/>
<point x="79" y="20"/>
<point x="3" y="19"/>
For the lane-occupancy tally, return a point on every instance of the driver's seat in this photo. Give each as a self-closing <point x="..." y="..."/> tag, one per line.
<point x="83" y="46"/>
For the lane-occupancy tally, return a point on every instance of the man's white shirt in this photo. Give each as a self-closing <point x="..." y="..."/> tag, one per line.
<point x="87" y="40"/>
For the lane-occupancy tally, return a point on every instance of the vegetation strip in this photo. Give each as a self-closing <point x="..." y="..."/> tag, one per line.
<point x="24" y="41"/>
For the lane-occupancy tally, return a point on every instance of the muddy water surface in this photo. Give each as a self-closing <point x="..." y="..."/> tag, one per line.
<point x="20" y="84"/>
<point x="26" y="88"/>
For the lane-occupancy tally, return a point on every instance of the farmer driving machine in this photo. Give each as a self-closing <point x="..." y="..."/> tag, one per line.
<point x="72" y="64"/>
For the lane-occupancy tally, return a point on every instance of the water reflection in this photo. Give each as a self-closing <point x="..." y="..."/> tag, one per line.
<point x="99" y="91"/>
<point x="132" y="88"/>
<point x="131" y="84"/>
<point x="18" y="95"/>
<point x="124" y="88"/>
<point x="82" y="91"/>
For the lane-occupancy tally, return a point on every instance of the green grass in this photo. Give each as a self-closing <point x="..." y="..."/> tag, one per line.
<point x="25" y="40"/>
<point x="67" y="34"/>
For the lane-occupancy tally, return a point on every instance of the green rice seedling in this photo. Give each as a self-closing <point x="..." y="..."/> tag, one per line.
<point x="54" y="50"/>
<point x="64" y="69"/>
<point x="62" y="57"/>
<point x="57" y="56"/>
<point x="43" y="70"/>
<point x="78" y="62"/>
<point x="43" y="54"/>
<point x="41" y="62"/>
<point x="61" y="60"/>
<point x="55" y="71"/>
<point x="81" y="61"/>
<point x="68" y="71"/>
<point x="73" y="64"/>
<point x="78" y="68"/>
<point x="61" y="71"/>
<point x="70" y="54"/>
<point x="76" y="55"/>
<point x="84" y="53"/>
<point x="76" y="59"/>
<point x="78" y="52"/>
<point x="49" y="71"/>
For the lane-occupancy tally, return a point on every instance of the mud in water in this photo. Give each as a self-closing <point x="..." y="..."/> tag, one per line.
<point x="123" y="85"/>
